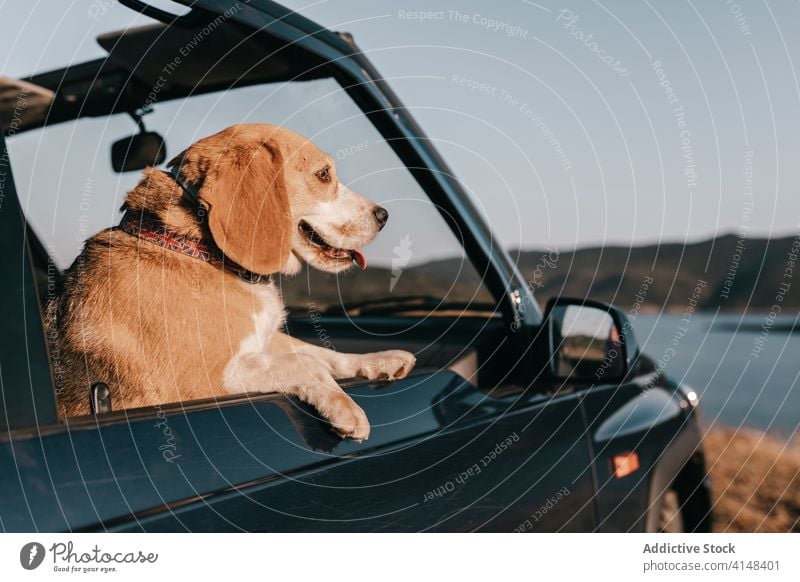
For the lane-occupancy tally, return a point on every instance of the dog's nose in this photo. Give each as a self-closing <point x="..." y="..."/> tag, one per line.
<point x="381" y="215"/>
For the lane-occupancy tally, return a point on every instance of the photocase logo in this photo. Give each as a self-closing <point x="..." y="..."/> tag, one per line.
<point x="402" y="255"/>
<point x="31" y="555"/>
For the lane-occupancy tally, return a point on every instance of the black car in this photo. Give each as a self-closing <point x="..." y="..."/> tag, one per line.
<point x="515" y="419"/>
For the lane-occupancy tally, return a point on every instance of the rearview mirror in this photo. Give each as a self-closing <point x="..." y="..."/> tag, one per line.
<point x="138" y="151"/>
<point x="588" y="341"/>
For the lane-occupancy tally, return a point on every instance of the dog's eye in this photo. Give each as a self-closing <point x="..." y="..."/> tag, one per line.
<point x="324" y="174"/>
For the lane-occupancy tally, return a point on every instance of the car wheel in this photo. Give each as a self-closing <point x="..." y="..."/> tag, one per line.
<point x="670" y="518"/>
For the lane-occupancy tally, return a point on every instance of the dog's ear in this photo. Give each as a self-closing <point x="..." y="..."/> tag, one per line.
<point x="244" y="190"/>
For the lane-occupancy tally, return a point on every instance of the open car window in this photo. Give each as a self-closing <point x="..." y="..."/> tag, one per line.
<point x="69" y="190"/>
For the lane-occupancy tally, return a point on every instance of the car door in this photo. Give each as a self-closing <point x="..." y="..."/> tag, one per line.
<point x="443" y="456"/>
<point x="504" y="466"/>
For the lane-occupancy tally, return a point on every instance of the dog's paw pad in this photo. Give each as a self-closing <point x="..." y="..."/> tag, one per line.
<point x="348" y="420"/>
<point x="388" y="365"/>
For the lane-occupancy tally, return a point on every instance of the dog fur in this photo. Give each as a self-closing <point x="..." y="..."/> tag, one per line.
<point x="159" y="326"/>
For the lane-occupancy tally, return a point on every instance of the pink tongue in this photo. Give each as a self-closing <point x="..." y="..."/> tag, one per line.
<point x="359" y="258"/>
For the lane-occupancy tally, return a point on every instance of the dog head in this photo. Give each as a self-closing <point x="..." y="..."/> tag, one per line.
<point x="273" y="200"/>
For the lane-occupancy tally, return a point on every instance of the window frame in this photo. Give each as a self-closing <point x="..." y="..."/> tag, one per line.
<point x="27" y="390"/>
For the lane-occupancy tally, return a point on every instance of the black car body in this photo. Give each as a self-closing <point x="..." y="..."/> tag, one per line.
<point x="511" y="449"/>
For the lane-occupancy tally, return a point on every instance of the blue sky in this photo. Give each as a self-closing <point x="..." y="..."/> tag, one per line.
<point x="571" y="124"/>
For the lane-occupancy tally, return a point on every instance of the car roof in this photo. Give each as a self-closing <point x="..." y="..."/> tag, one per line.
<point x="261" y="42"/>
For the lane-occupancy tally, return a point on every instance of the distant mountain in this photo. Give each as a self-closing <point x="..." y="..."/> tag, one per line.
<point x="725" y="272"/>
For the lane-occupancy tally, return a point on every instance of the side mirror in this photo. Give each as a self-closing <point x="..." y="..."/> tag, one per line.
<point x="588" y="341"/>
<point x="138" y="151"/>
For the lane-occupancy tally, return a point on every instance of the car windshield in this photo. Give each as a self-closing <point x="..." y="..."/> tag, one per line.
<point x="69" y="192"/>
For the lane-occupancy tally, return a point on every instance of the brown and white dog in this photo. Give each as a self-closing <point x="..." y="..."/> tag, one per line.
<point x="160" y="308"/>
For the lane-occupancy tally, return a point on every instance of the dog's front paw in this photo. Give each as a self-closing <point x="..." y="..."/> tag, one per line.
<point x="347" y="418"/>
<point x="388" y="365"/>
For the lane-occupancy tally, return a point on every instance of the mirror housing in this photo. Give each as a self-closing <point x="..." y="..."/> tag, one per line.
<point x="588" y="341"/>
<point x="138" y="151"/>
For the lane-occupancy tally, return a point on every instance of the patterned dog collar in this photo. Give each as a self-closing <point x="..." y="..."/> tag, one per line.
<point x="148" y="227"/>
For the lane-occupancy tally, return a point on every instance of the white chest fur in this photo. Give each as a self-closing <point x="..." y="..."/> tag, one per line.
<point x="268" y="316"/>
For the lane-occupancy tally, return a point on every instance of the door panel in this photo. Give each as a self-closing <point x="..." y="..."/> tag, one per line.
<point x="500" y="465"/>
<point x="133" y="462"/>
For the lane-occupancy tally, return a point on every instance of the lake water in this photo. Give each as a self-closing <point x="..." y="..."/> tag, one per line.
<point x="744" y="375"/>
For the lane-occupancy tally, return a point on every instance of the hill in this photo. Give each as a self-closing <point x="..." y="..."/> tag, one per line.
<point x="731" y="274"/>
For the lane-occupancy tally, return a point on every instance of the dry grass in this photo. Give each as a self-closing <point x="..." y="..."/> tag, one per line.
<point x="755" y="480"/>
